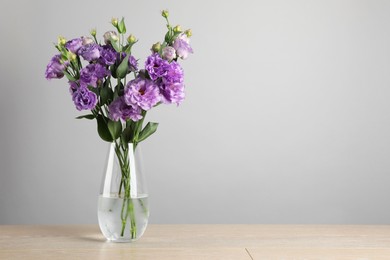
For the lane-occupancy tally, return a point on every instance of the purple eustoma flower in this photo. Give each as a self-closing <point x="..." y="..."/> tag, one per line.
<point x="175" y="73"/>
<point x="74" y="45"/>
<point x="55" y="68"/>
<point x="142" y="92"/>
<point x="119" y="110"/>
<point x="84" y="99"/>
<point x="169" y="53"/>
<point x="133" y="64"/>
<point x="73" y="86"/>
<point x="90" y="52"/>
<point x="182" y="46"/>
<point x="92" y="73"/>
<point x="171" y="85"/>
<point x="107" y="55"/>
<point x="101" y="71"/>
<point x="172" y="93"/>
<point x="156" y="66"/>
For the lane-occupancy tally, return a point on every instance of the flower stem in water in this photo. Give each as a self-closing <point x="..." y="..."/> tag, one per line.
<point x="128" y="205"/>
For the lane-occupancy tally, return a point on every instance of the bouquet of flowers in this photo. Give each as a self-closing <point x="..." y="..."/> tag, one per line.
<point x="105" y="78"/>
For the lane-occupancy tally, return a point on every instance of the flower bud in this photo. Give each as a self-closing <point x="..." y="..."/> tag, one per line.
<point x="71" y="56"/>
<point x="131" y="39"/>
<point x="115" y="38"/>
<point x="156" y="47"/>
<point x="110" y="35"/>
<point x="93" y="32"/>
<point x="188" y="33"/>
<point x="177" y="28"/>
<point x="87" y="40"/>
<point x="61" y="40"/>
<point x="165" y="13"/>
<point x="182" y="46"/>
<point x="114" y="21"/>
<point x="169" y="53"/>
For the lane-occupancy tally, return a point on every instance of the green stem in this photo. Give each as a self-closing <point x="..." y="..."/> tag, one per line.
<point x="138" y="128"/>
<point x="130" y="208"/>
<point x="128" y="205"/>
<point x="94" y="37"/>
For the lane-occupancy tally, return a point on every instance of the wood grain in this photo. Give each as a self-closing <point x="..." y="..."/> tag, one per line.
<point x="200" y="242"/>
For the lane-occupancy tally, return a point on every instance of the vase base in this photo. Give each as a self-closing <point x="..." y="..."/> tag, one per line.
<point x="114" y="228"/>
<point x="121" y="240"/>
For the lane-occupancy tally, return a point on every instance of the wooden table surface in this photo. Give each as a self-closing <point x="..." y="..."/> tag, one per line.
<point x="199" y="242"/>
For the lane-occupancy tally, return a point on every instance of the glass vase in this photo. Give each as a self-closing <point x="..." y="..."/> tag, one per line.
<point x="123" y="210"/>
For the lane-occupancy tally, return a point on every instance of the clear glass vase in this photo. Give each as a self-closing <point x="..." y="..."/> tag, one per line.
<point x="123" y="209"/>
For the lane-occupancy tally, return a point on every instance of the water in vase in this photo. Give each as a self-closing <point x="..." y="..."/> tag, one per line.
<point x="110" y="213"/>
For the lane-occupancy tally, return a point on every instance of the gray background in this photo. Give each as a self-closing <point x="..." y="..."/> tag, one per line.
<point x="286" y="118"/>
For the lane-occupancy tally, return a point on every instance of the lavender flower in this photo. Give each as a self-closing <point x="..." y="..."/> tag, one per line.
<point x="101" y="71"/>
<point x="87" y="75"/>
<point x="90" y="52"/>
<point x="92" y="73"/>
<point x="73" y="86"/>
<point x="156" y="66"/>
<point x="119" y="110"/>
<point x="182" y="46"/>
<point x="175" y="73"/>
<point x="142" y="92"/>
<point x="169" y="53"/>
<point x="133" y="64"/>
<point x="171" y="86"/>
<point x="172" y="93"/>
<point x="84" y="99"/>
<point x="107" y="55"/>
<point x="74" y="45"/>
<point x="55" y="68"/>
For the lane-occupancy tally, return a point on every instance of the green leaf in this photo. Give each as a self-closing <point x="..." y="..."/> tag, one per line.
<point x="113" y="70"/>
<point x="128" y="133"/>
<point x="63" y="50"/>
<point x="127" y="49"/>
<point x="93" y="89"/>
<point x="118" y="90"/>
<point x="115" y="128"/>
<point x="148" y="130"/>
<point x="123" y="68"/>
<point x="102" y="128"/>
<point x="64" y="56"/>
<point x="167" y="37"/>
<point x="115" y="45"/>
<point x="106" y="95"/>
<point x="70" y="77"/>
<point x="89" y="116"/>
<point x="107" y="83"/>
<point x="122" y="26"/>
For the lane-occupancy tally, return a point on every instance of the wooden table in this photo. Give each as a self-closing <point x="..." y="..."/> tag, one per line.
<point x="199" y="242"/>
